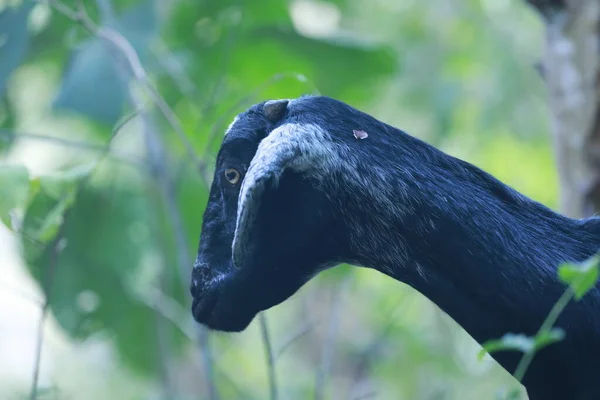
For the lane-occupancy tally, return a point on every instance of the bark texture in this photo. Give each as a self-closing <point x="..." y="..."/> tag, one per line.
<point x="571" y="68"/>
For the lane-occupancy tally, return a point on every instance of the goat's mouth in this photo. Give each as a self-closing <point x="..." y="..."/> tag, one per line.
<point x="215" y="301"/>
<point x="203" y="303"/>
<point x="205" y="292"/>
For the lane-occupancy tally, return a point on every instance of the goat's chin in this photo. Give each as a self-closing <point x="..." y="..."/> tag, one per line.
<point x="220" y="322"/>
<point x="213" y="307"/>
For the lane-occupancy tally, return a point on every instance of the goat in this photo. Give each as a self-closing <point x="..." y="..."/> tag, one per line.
<point x="305" y="184"/>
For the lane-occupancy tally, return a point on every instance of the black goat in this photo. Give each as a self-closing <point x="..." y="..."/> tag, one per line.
<point x="299" y="188"/>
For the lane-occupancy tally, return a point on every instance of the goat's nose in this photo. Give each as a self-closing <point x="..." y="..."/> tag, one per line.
<point x="194" y="286"/>
<point x="200" y="275"/>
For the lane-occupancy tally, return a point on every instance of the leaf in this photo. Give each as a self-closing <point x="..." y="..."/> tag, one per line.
<point x="544" y="339"/>
<point x="111" y="251"/>
<point x="61" y="182"/>
<point x="52" y="221"/>
<point x="503" y="394"/>
<point x="14" y="191"/>
<point x="14" y="39"/>
<point x="510" y="341"/>
<point x="94" y="84"/>
<point x="580" y="278"/>
<point x="329" y="59"/>
<point x="521" y="342"/>
<point x="51" y="196"/>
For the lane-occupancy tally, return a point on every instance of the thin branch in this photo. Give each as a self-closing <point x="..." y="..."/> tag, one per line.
<point x="169" y="309"/>
<point x="126" y="49"/>
<point x="366" y="356"/>
<point x="129" y="117"/>
<point x="155" y="147"/>
<point x="329" y="343"/>
<point x="368" y="395"/>
<point x="295" y="337"/>
<point x="548" y="8"/>
<point x="23" y="294"/>
<point x="547" y="325"/>
<point x="174" y="69"/>
<point x="157" y="157"/>
<point x="264" y="330"/>
<point x="7" y="136"/>
<point x="248" y="99"/>
<point x="225" y="62"/>
<point x="163" y="345"/>
<point x="47" y="283"/>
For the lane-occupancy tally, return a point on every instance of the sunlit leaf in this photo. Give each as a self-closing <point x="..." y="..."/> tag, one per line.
<point x="510" y="341"/>
<point x="544" y="339"/>
<point x="580" y="278"/>
<point x="521" y="342"/>
<point x="14" y="39"/>
<point x="51" y="197"/>
<point x="14" y="191"/>
<point x="95" y="81"/>
<point x="512" y="394"/>
<point x="52" y="221"/>
<point x="340" y="66"/>
<point x="110" y="250"/>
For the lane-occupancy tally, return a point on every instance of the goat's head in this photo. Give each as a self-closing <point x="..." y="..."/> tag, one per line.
<point x="273" y="215"/>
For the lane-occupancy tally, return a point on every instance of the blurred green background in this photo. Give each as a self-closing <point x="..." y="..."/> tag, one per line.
<point x="103" y="181"/>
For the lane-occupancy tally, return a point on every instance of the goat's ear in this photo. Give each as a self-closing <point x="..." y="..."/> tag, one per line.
<point x="274" y="109"/>
<point x="276" y="153"/>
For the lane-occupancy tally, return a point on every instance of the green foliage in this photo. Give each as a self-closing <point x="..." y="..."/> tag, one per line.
<point x="521" y="342"/>
<point x="14" y="191"/>
<point x="107" y="262"/>
<point x="508" y="395"/>
<point x="95" y="83"/>
<point x="14" y="40"/>
<point x="580" y="277"/>
<point x="100" y="238"/>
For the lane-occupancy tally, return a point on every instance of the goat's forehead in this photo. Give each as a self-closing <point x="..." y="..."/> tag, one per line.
<point x="232" y="124"/>
<point x="247" y="125"/>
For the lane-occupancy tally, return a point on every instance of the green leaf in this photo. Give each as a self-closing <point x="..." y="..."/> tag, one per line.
<point x="510" y="341"/>
<point x="580" y="278"/>
<point x="14" y="39"/>
<point x="512" y="394"/>
<point x="94" y="84"/>
<point x="61" y="182"/>
<point x="14" y="191"/>
<point x="54" y="218"/>
<point x="521" y="342"/>
<point x="544" y="339"/>
<point x="338" y="66"/>
<point x="50" y="197"/>
<point x="112" y="252"/>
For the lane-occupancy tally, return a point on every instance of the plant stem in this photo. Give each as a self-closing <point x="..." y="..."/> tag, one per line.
<point x="264" y="330"/>
<point x="549" y="322"/>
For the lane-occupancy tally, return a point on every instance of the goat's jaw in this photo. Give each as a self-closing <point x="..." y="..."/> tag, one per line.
<point x="215" y="304"/>
<point x="203" y="305"/>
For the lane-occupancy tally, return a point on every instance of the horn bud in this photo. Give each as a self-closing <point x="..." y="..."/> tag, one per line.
<point x="274" y="109"/>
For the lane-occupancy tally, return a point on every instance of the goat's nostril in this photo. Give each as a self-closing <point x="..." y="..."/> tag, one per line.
<point x="201" y="274"/>
<point x="194" y="287"/>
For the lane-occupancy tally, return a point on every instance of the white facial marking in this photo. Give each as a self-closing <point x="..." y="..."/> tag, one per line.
<point x="230" y="127"/>
<point x="300" y="147"/>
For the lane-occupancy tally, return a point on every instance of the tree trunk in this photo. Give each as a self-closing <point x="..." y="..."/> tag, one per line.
<point x="571" y="68"/>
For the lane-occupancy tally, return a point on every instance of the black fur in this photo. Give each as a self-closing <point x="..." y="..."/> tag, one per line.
<point x="481" y="251"/>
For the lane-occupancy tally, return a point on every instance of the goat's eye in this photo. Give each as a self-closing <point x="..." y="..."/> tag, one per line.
<point x="232" y="175"/>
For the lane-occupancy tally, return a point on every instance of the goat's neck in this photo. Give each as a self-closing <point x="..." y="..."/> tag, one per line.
<point x="483" y="253"/>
